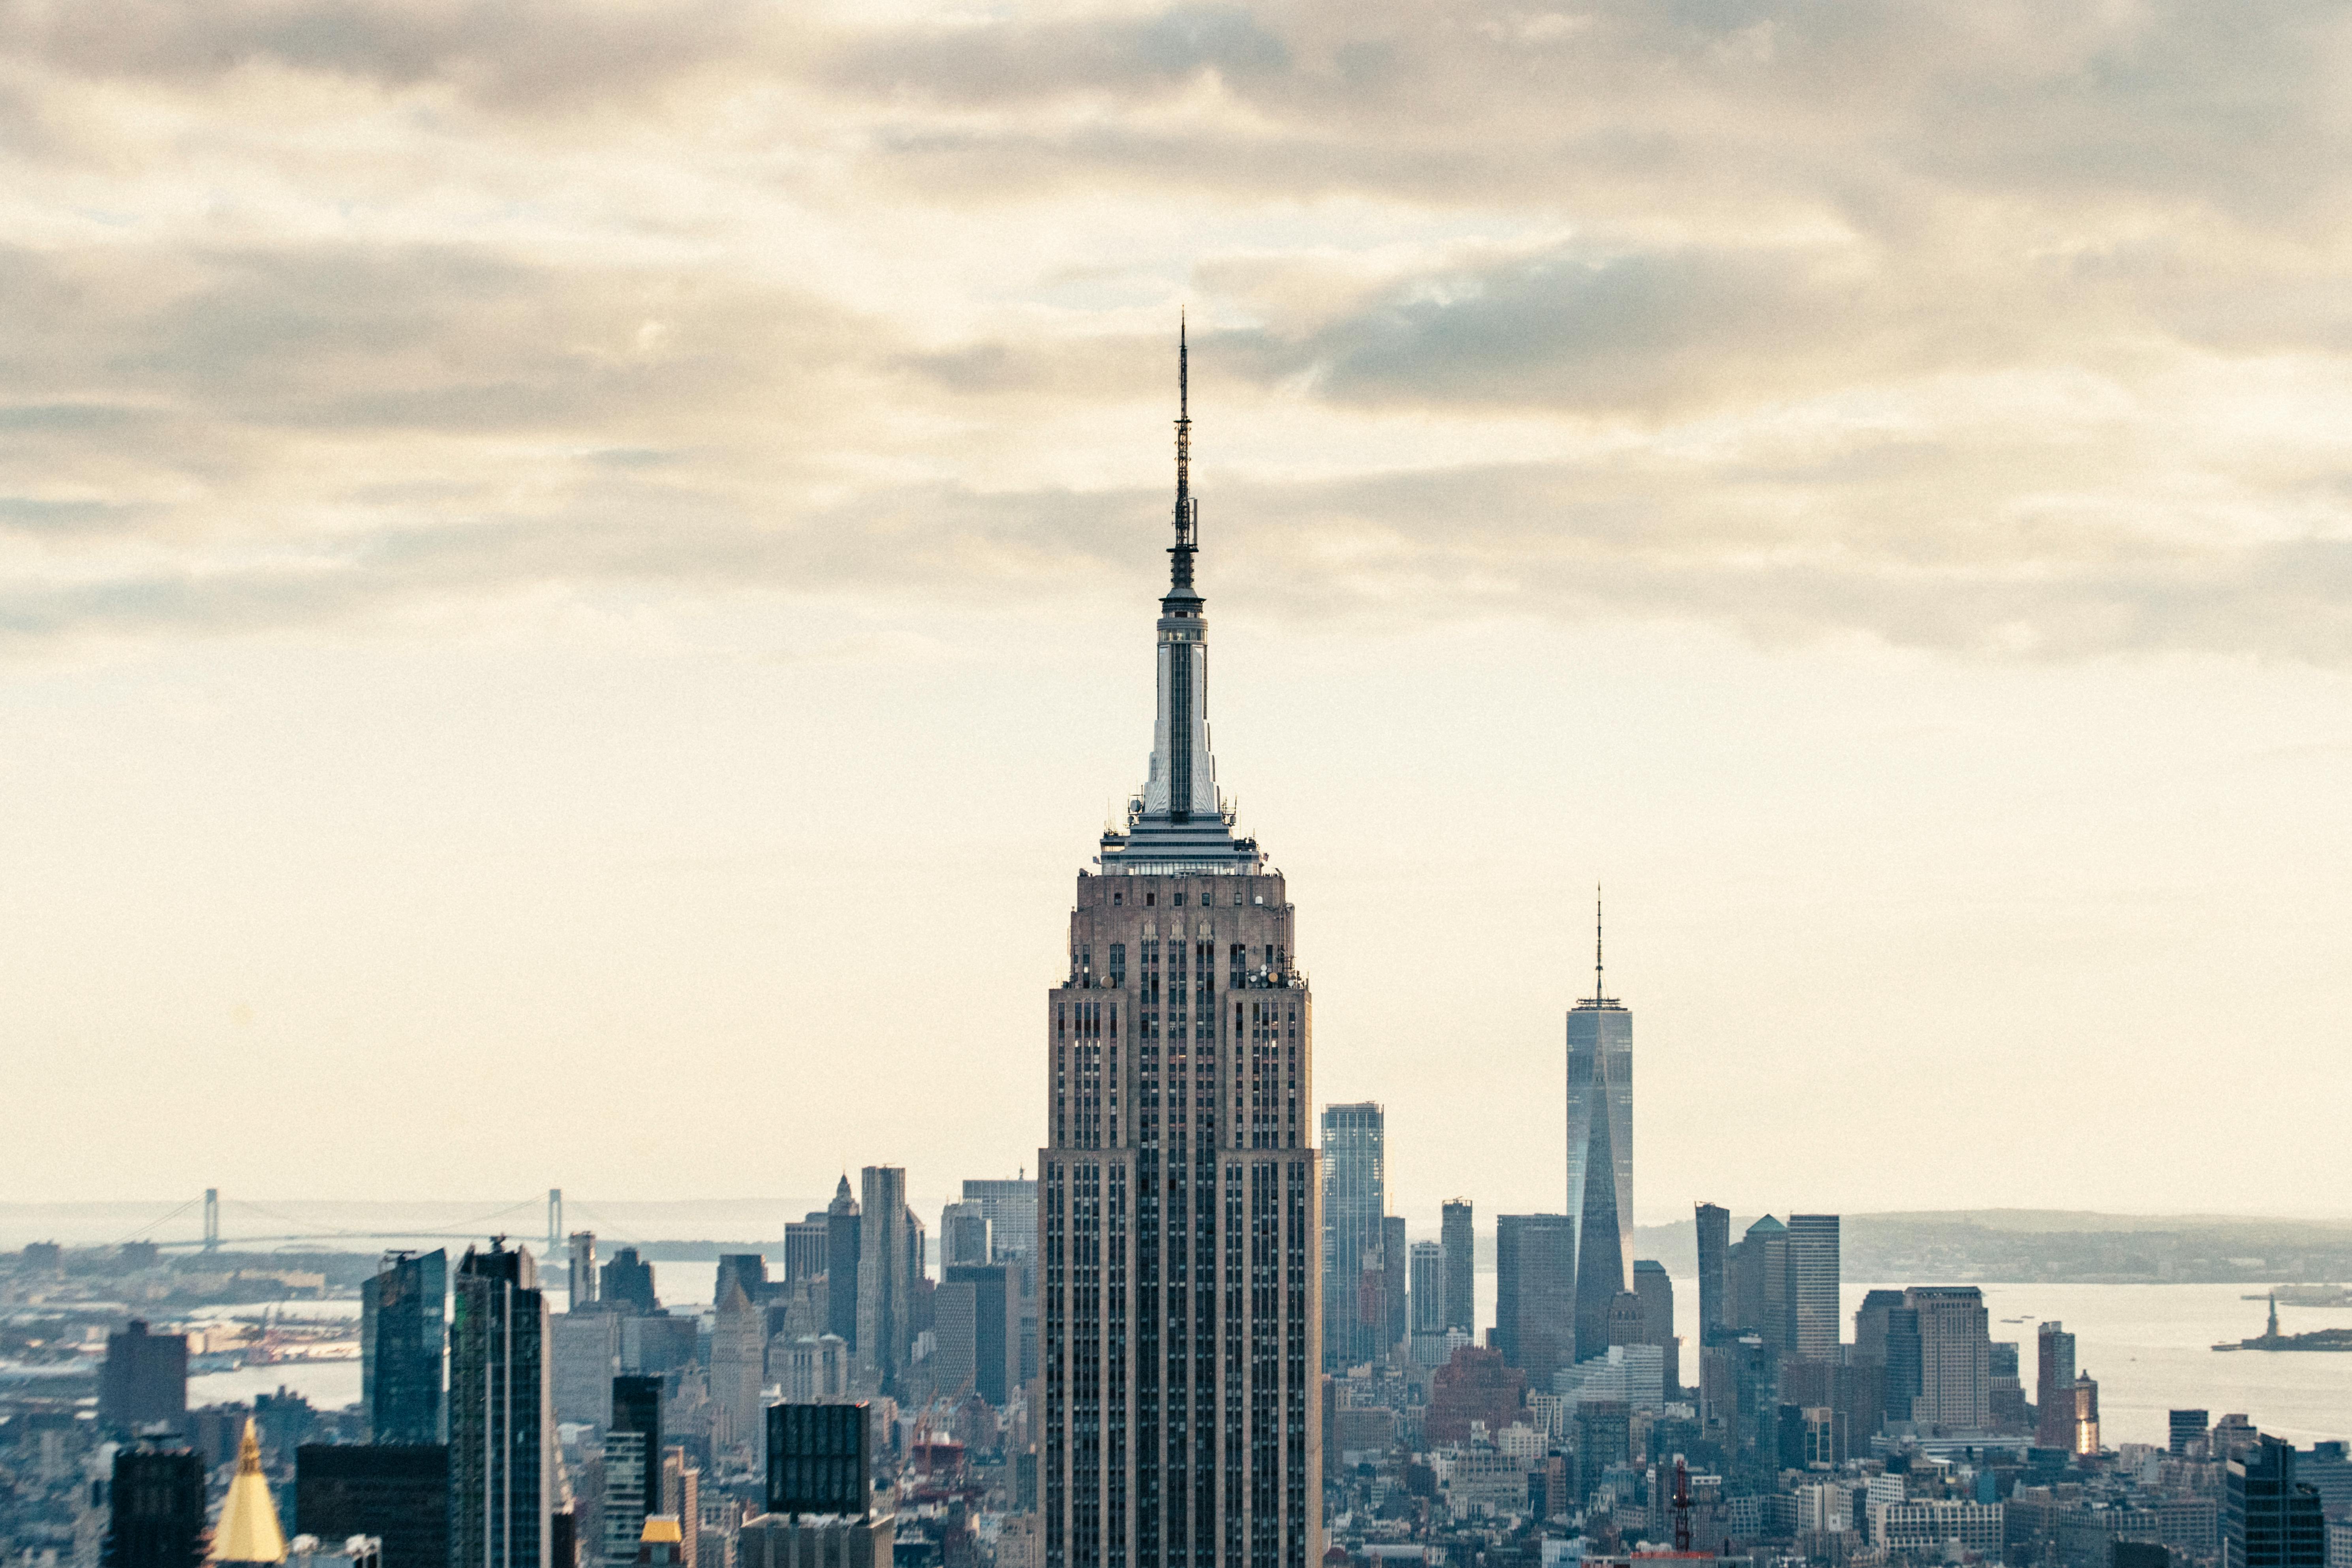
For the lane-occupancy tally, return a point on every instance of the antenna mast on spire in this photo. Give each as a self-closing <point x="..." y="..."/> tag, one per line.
<point x="1187" y="512"/>
<point x="1598" y="994"/>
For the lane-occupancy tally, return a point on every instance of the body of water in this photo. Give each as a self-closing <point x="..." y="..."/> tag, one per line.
<point x="327" y="1385"/>
<point x="2149" y="1348"/>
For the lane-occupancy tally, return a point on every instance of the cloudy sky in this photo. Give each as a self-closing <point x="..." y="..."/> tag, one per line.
<point x="576" y="580"/>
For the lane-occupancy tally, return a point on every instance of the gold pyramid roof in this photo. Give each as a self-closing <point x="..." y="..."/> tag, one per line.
<point x="249" y="1529"/>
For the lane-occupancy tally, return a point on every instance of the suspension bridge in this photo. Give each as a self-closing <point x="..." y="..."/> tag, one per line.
<point x="498" y="1221"/>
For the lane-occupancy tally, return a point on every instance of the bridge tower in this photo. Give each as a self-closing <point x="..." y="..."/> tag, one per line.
<point x="554" y="1219"/>
<point x="212" y="1219"/>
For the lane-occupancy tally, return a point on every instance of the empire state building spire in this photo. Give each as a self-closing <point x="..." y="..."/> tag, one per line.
<point x="1180" y="820"/>
<point x="1188" y="511"/>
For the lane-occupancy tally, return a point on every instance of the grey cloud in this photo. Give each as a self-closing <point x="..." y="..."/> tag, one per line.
<point x="1607" y="331"/>
<point x="525" y="54"/>
<point x="421" y="338"/>
<point x="1632" y="536"/>
<point x="1021" y="61"/>
<point x="33" y="514"/>
<point x="1861" y="112"/>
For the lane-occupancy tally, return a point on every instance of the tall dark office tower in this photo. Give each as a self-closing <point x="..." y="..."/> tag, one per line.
<point x="1428" y="1287"/>
<point x="399" y="1494"/>
<point x="2186" y="1428"/>
<point x="844" y="1250"/>
<point x="1599" y="1154"/>
<point x="1904" y="1375"/>
<point x="1180" y="1337"/>
<point x="1759" y="1283"/>
<point x="1812" y="1286"/>
<point x="885" y="1280"/>
<point x="995" y="1292"/>
<point x="1534" y="1295"/>
<point x="1394" y="1250"/>
<point x="1655" y="1287"/>
<point x="1714" y="1270"/>
<point x="1458" y="1236"/>
<point x="157" y="1511"/>
<point x="501" y="1412"/>
<point x="636" y="1407"/>
<point x="143" y="1381"/>
<point x="1354" y="1198"/>
<point x="2052" y="1389"/>
<point x="403" y="1316"/>
<point x="2271" y="1519"/>
<point x="1887" y="1336"/>
<point x="628" y="1283"/>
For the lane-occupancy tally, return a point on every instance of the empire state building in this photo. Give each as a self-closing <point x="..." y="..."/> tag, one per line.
<point x="1181" y="1323"/>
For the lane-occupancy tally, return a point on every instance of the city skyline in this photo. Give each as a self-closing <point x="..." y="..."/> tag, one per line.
<point x="572" y="660"/>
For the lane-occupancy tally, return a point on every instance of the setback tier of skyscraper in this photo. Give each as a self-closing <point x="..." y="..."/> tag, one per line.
<point x="1179" y="1319"/>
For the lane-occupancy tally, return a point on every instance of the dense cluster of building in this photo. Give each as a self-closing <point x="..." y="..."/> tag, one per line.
<point x="495" y="1429"/>
<point x="1198" y="1339"/>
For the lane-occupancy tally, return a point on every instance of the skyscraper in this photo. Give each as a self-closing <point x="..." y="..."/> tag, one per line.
<point x="1657" y="1290"/>
<point x="1759" y="1283"/>
<point x="582" y="1287"/>
<point x="1428" y="1287"/>
<point x="963" y="1234"/>
<point x="1714" y="1270"/>
<point x="403" y="1312"/>
<point x="738" y="1363"/>
<point x="2052" y="1388"/>
<point x="1599" y="1154"/>
<point x="1535" y="1294"/>
<point x="398" y="1494"/>
<point x="584" y="1357"/>
<point x="1458" y="1235"/>
<point x="844" y="1251"/>
<point x="501" y="1412"/>
<point x="987" y="1295"/>
<point x="1180" y="1313"/>
<point x="1955" y="1356"/>
<point x="2083" y="1438"/>
<point x="804" y="1247"/>
<point x="1812" y="1286"/>
<point x="143" y="1381"/>
<point x="1012" y="1210"/>
<point x="1354" y="1200"/>
<point x="628" y="1283"/>
<point x="2271" y="1519"/>
<point x="636" y="1410"/>
<point x="157" y="1511"/>
<point x="885" y="1277"/>
<point x="1394" y="1250"/>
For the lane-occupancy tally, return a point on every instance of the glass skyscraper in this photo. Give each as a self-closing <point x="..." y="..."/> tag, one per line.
<point x="403" y="1316"/>
<point x="501" y="1412"/>
<point x="1600" y="1157"/>
<point x="1355" y="1201"/>
<point x="1457" y="1233"/>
